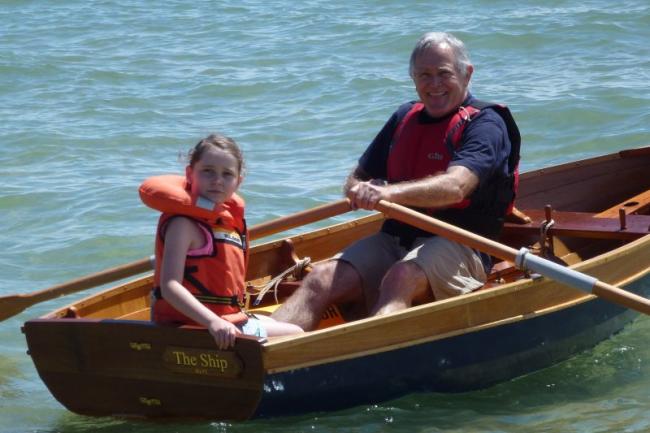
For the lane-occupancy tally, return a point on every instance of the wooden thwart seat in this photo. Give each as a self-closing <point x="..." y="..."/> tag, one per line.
<point x="638" y="204"/>
<point x="584" y="224"/>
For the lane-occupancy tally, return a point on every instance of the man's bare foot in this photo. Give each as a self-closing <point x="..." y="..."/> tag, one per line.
<point x="517" y="217"/>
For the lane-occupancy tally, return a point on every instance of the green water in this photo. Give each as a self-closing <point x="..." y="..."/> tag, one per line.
<point x="97" y="96"/>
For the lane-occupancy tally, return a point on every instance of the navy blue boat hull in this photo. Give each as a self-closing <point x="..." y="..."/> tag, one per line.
<point x="457" y="364"/>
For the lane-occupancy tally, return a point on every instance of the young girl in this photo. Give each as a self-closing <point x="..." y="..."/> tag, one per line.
<point x="201" y="249"/>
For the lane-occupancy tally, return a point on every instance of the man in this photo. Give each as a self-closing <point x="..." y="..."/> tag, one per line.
<point x="448" y="155"/>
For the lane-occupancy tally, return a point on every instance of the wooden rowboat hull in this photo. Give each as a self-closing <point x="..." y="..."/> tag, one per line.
<point x="101" y="356"/>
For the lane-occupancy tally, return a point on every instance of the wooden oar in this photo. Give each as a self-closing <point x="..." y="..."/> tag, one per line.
<point x="11" y="305"/>
<point x="300" y="219"/>
<point x="523" y="258"/>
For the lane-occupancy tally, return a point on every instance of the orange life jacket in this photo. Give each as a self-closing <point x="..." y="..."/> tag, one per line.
<point x="218" y="279"/>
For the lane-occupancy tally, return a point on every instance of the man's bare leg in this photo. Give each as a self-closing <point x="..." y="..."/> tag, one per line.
<point x="329" y="282"/>
<point x="403" y="283"/>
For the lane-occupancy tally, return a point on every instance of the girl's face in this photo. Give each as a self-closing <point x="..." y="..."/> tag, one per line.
<point x="215" y="176"/>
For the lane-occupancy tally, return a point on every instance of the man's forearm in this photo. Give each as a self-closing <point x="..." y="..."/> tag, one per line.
<point x="439" y="190"/>
<point x="434" y="191"/>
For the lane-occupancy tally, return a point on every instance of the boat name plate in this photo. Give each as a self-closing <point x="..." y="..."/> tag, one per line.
<point x="202" y="362"/>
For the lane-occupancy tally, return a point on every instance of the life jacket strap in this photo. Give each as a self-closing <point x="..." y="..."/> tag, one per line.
<point x="232" y="301"/>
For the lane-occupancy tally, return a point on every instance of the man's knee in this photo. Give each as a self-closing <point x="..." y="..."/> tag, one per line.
<point x="408" y="280"/>
<point x="406" y="273"/>
<point x="334" y="280"/>
<point x="319" y="280"/>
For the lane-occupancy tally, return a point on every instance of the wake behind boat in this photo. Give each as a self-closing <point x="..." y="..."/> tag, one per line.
<point x="102" y="355"/>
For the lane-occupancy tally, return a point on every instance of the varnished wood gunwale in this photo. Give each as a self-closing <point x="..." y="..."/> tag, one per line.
<point x="318" y="245"/>
<point x="110" y="303"/>
<point x="571" y="186"/>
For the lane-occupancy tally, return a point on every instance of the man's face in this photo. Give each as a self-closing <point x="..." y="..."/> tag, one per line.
<point x="440" y="86"/>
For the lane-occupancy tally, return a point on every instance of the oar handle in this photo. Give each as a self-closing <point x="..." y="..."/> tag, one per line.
<point x="522" y="258"/>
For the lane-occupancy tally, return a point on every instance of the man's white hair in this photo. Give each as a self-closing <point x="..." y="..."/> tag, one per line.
<point x="436" y="39"/>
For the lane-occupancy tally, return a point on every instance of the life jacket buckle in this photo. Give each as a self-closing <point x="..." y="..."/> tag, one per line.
<point x="464" y="114"/>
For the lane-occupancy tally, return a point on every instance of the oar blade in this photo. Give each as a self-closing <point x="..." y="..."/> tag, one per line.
<point x="12" y="305"/>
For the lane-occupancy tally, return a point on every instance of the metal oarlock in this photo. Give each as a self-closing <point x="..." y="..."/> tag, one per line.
<point x="545" y="240"/>
<point x="527" y="260"/>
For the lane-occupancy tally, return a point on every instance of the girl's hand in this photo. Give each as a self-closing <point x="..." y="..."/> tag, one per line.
<point x="223" y="332"/>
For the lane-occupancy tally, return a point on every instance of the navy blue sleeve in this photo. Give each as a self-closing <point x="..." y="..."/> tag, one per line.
<point x="485" y="147"/>
<point x="374" y="160"/>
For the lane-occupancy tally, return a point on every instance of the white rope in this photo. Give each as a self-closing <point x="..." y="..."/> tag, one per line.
<point x="275" y="281"/>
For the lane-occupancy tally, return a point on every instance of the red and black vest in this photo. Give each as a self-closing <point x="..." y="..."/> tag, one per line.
<point x="217" y="279"/>
<point x="422" y="149"/>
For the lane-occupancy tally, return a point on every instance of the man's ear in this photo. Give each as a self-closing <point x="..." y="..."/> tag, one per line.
<point x="468" y="74"/>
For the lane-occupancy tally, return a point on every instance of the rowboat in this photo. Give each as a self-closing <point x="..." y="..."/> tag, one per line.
<point x="102" y="355"/>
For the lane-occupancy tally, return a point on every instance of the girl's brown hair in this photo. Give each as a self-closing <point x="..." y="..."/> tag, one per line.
<point x="219" y="141"/>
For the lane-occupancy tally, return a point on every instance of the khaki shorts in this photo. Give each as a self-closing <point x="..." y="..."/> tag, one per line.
<point x="451" y="268"/>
